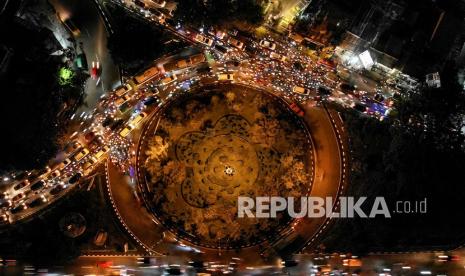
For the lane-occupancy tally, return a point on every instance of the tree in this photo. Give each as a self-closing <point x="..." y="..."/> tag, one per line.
<point x="219" y="12"/>
<point x="33" y="105"/>
<point x="414" y="155"/>
<point x="435" y="114"/>
<point x="136" y="43"/>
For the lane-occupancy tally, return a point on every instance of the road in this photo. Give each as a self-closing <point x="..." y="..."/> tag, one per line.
<point x="93" y="37"/>
<point x="372" y="265"/>
<point x="257" y="70"/>
<point x="147" y="230"/>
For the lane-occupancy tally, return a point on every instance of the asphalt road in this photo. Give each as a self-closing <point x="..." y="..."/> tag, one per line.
<point x="86" y="17"/>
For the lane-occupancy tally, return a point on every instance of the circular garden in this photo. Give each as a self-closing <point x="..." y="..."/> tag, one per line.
<point x="205" y="149"/>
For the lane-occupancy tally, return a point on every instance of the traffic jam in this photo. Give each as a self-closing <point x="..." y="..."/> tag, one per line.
<point x="277" y="64"/>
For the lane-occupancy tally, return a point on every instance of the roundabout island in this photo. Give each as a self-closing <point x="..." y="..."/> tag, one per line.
<point x="202" y="150"/>
<point x="207" y="149"/>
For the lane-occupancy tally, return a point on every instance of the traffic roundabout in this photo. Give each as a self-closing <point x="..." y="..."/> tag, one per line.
<point x="207" y="148"/>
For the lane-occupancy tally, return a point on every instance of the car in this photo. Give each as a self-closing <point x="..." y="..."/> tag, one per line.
<point x="139" y="3"/>
<point x="57" y="189"/>
<point x="151" y="100"/>
<point x="89" y="136"/>
<point x="75" y="178"/>
<point x="156" y="15"/>
<point x="116" y="124"/>
<point x="101" y="152"/>
<point x="104" y="264"/>
<point x="38" y="185"/>
<point x="144" y="260"/>
<point x="169" y="79"/>
<point x="352" y="262"/>
<point x="121" y="100"/>
<point x="95" y="70"/>
<point x="155" y="91"/>
<point x="94" y="143"/>
<point x="87" y="167"/>
<point x="297" y="109"/>
<point x="4" y="219"/>
<point x="161" y="3"/>
<point x="276" y="56"/>
<point x="289" y="263"/>
<point x="378" y="97"/>
<point x="170" y="13"/>
<point x="124" y="108"/>
<point x="225" y="77"/>
<point x="220" y="34"/>
<point x="125" y="132"/>
<point x="45" y="170"/>
<point x="84" y="152"/>
<point x="71" y="27"/>
<point x="37" y="201"/>
<point x="347" y="88"/>
<point x="63" y="164"/>
<point x="236" y="43"/>
<point x="5" y="204"/>
<point x="20" y="175"/>
<point x="222" y="49"/>
<point x="197" y="265"/>
<point x="21" y="207"/>
<point x="134" y="122"/>
<point x="173" y="270"/>
<point x="359" y="107"/>
<point x="268" y="44"/>
<point x="107" y="122"/>
<point x="448" y="258"/>
<point x="300" y="90"/>
<point x="204" y="40"/>
<point x="21" y="185"/>
<point x="324" y="91"/>
<point x="233" y="32"/>
<point x="73" y="146"/>
<point x="55" y="173"/>
<point x="195" y="60"/>
<point x="123" y="89"/>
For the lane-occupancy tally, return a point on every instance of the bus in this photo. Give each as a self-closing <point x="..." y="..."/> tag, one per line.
<point x="146" y="75"/>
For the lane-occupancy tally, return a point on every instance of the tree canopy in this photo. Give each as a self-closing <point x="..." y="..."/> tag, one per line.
<point x="417" y="154"/>
<point x="219" y="12"/>
<point x="136" y="43"/>
<point x="33" y="102"/>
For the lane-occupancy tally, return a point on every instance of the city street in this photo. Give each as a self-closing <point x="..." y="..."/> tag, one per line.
<point x="93" y="37"/>
<point x="112" y="123"/>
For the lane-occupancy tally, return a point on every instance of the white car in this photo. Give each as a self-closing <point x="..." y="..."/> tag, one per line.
<point x="204" y="40"/>
<point x="267" y="44"/>
<point x="277" y="56"/>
